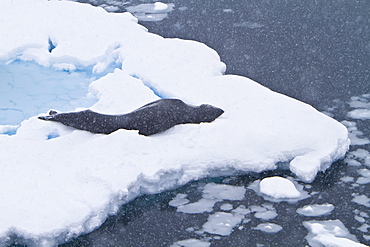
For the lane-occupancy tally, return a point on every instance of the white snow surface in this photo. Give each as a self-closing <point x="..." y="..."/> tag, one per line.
<point x="58" y="188"/>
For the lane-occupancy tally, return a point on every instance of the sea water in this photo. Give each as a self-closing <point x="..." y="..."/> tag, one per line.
<point x="311" y="51"/>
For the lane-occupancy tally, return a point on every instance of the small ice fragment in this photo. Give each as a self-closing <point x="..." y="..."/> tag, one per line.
<point x="223" y="192"/>
<point x="278" y="187"/>
<point x="179" y="200"/>
<point x="268" y="227"/>
<point x="315" y="209"/>
<point x="241" y="210"/>
<point x="226" y="207"/>
<point x="362" y="180"/>
<point x="201" y="206"/>
<point x="364" y="227"/>
<point x="360" y="153"/>
<point x="255" y="208"/>
<point x="222" y="223"/>
<point x="192" y="242"/>
<point x="268" y="215"/>
<point x="363" y="214"/>
<point x="359" y="219"/>
<point x="347" y="179"/>
<point x="352" y="162"/>
<point x="362" y="200"/>
<point x="363" y="114"/>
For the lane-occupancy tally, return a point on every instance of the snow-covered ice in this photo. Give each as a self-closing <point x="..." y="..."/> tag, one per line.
<point x="86" y="177"/>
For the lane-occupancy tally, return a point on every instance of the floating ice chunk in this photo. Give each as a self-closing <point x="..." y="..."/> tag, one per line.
<point x="362" y="200"/>
<point x="360" y="219"/>
<point x="359" y="153"/>
<point x="179" y="200"/>
<point x="226" y="207"/>
<point x="223" y="192"/>
<point x="278" y="187"/>
<point x="364" y="227"/>
<point x="347" y="179"/>
<point x="191" y="243"/>
<point x="268" y="215"/>
<point x="316" y="209"/>
<point x="275" y="190"/>
<point x="356" y="136"/>
<point x="352" y="162"/>
<point x="329" y="233"/>
<point x="268" y="227"/>
<point x="212" y="193"/>
<point x="363" y="114"/>
<point x="255" y="208"/>
<point x="365" y="179"/>
<point x="201" y="206"/>
<point x="364" y="214"/>
<point x="221" y="223"/>
<point x="363" y="107"/>
<point x="242" y="210"/>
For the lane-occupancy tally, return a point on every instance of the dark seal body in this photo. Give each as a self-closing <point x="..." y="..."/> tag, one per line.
<point x="149" y="119"/>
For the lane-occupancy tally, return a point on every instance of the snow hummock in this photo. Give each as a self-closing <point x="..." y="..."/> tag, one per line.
<point x="85" y="177"/>
<point x="278" y="187"/>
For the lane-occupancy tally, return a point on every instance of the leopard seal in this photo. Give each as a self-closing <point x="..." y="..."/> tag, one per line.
<point x="149" y="119"/>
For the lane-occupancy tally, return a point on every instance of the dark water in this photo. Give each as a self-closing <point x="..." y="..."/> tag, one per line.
<point x="315" y="51"/>
<point x="310" y="50"/>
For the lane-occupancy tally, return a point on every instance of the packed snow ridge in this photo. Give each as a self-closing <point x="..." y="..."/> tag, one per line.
<point x="85" y="177"/>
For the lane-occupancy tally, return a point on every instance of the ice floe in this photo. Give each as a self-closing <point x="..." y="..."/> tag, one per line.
<point x="329" y="233"/>
<point x="48" y="168"/>
<point x="316" y="209"/>
<point x="268" y="227"/>
<point x="362" y="105"/>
